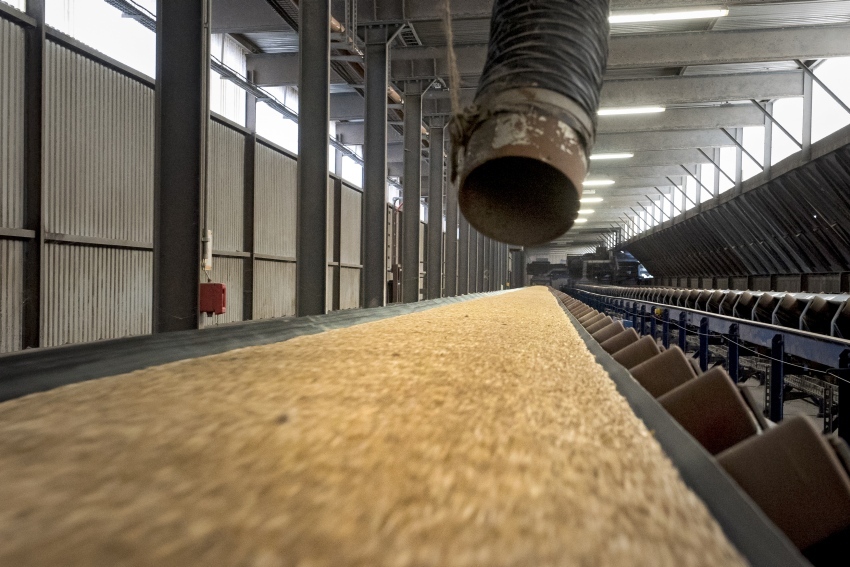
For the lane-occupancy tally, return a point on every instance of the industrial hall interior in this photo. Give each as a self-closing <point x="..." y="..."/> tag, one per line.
<point x="409" y="283"/>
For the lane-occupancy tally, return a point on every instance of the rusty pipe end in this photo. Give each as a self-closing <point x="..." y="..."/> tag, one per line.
<point x="521" y="174"/>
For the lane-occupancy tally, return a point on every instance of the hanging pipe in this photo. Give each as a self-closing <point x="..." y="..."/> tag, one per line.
<point x="521" y="150"/>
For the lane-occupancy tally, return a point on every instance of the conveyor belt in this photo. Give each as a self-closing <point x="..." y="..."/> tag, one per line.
<point x="481" y="433"/>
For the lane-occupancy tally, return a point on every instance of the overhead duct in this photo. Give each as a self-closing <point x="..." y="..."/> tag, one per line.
<point x="521" y="150"/>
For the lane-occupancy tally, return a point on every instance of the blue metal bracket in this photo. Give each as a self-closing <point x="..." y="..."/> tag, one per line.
<point x="665" y="328"/>
<point x="733" y="362"/>
<point x="776" y="383"/>
<point x="683" y="331"/>
<point x="703" y="344"/>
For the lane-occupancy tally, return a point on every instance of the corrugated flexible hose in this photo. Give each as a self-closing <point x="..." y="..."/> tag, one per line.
<point x="521" y="150"/>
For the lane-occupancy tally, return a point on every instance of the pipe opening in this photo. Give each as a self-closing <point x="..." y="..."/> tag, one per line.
<point x="544" y="209"/>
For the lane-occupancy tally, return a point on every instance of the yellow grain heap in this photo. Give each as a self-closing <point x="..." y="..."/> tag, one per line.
<point x="477" y="434"/>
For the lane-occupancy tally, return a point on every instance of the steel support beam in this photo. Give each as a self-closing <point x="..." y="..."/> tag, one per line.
<point x="481" y="262"/>
<point x="375" y="171"/>
<point x="313" y="130"/>
<point x="412" y="191"/>
<point x="433" y="271"/>
<point x="181" y="122"/>
<point x="248" y="216"/>
<point x="451" y="245"/>
<point x="463" y="262"/>
<point x="33" y="176"/>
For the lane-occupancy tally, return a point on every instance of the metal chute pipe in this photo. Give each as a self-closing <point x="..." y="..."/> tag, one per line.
<point x="521" y="151"/>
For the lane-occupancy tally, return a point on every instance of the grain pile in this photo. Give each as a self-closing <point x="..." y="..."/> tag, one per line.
<point x="480" y="433"/>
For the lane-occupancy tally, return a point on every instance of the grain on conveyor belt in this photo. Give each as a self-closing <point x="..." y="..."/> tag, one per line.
<point x="481" y="433"/>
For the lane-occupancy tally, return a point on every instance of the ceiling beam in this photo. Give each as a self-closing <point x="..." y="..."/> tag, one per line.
<point x="699" y="89"/>
<point x="680" y="49"/>
<point x="681" y="89"/>
<point x="622" y="173"/>
<point x="643" y="159"/>
<point x="400" y="11"/>
<point x="645" y="141"/>
<point x="729" y="46"/>
<point x="702" y="118"/>
<point x="631" y="92"/>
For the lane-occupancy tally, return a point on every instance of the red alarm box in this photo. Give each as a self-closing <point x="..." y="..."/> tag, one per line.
<point x="213" y="298"/>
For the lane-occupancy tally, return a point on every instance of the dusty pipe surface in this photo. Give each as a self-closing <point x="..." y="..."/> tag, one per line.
<point x="521" y="152"/>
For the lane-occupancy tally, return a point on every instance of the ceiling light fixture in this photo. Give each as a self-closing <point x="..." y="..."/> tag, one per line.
<point x="631" y="110"/>
<point x="586" y="211"/>
<point x="597" y="182"/>
<point x="590" y="200"/>
<point x="612" y="156"/>
<point x="632" y="18"/>
<point x="580" y="220"/>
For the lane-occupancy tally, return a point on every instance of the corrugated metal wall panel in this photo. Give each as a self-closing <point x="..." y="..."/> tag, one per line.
<point x="349" y="288"/>
<point x="11" y="125"/>
<point x="11" y="294"/>
<point x="229" y="272"/>
<point x="275" y="202"/>
<point x="98" y="150"/>
<point x="350" y="226"/>
<point x="92" y="293"/>
<point x="226" y="187"/>
<point x="274" y="289"/>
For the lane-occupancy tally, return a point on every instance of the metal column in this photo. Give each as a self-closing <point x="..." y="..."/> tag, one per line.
<point x="463" y="263"/>
<point x="451" y="267"/>
<point x="182" y="117"/>
<point x="375" y="171"/>
<point x="314" y="39"/>
<point x="479" y="262"/>
<point x="412" y="191"/>
<point x="775" y="384"/>
<point x="248" y="206"/>
<point x="433" y="271"/>
<point x="33" y="185"/>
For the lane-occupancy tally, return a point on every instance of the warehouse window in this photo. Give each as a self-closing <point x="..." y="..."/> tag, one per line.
<point x="352" y="171"/>
<point x="706" y="177"/>
<point x="226" y="98"/>
<point x="691" y="191"/>
<point x="104" y="28"/>
<point x="19" y="4"/>
<point x="272" y="125"/>
<point x="754" y="144"/>
<point x="728" y="161"/>
<point x="789" y="113"/>
<point x="827" y="115"/>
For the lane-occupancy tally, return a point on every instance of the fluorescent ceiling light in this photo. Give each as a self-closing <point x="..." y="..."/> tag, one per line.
<point x="597" y="182"/>
<point x="580" y="220"/>
<point x="630" y="110"/>
<point x="591" y="200"/>
<point x="631" y="18"/>
<point x="586" y="212"/>
<point x="612" y="156"/>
